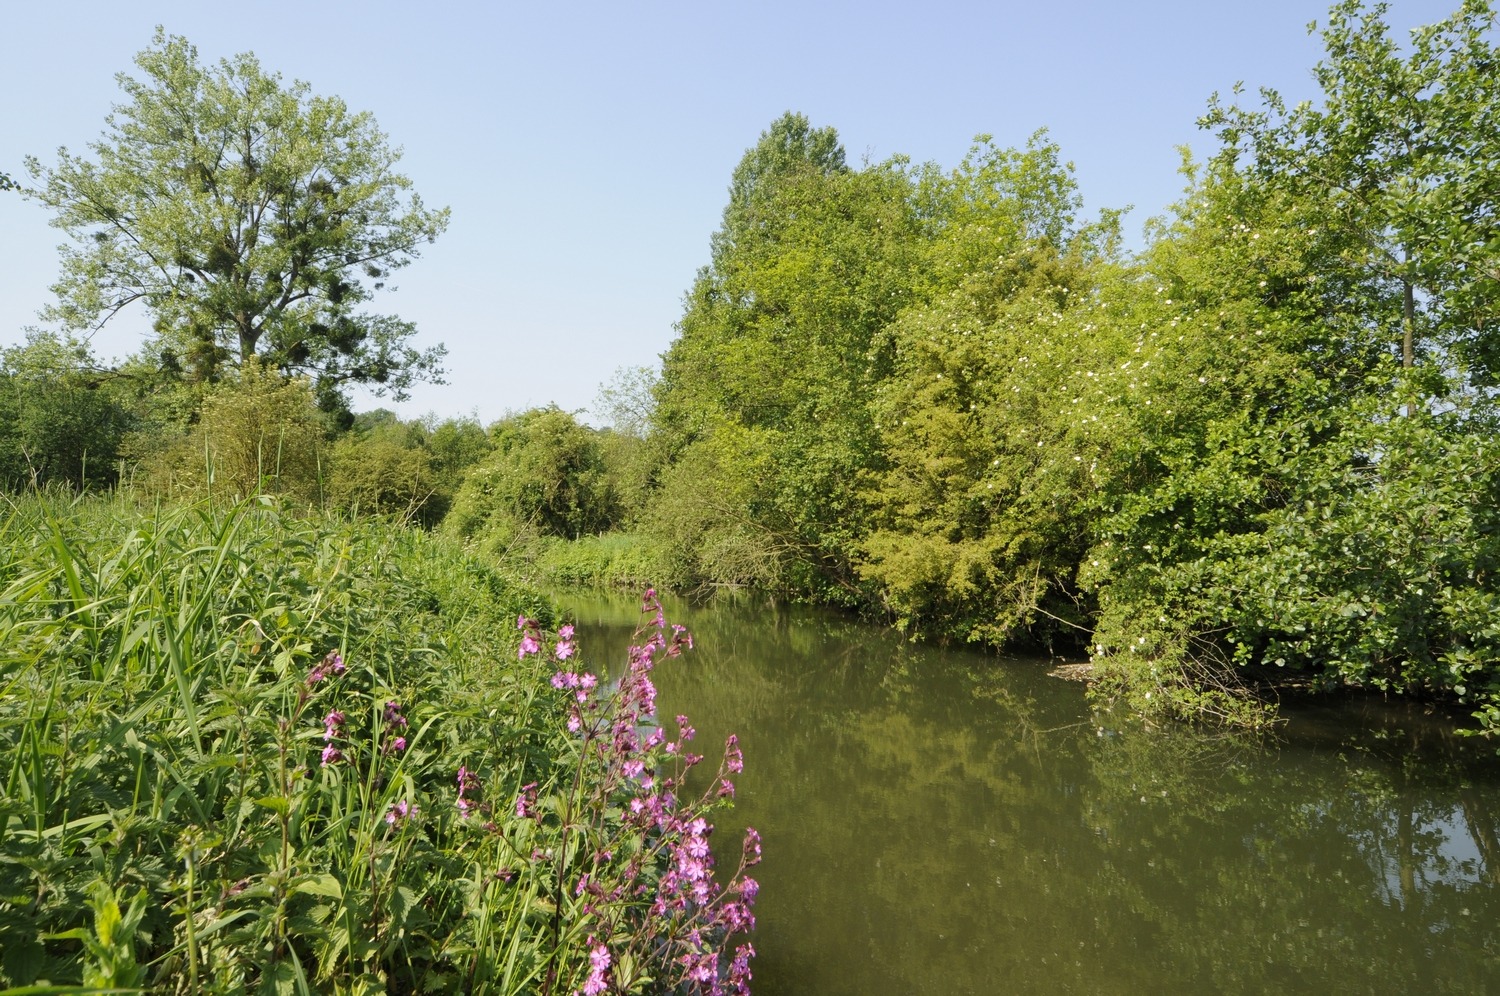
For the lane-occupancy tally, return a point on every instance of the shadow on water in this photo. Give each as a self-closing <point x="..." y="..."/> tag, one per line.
<point x="943" y="822"/>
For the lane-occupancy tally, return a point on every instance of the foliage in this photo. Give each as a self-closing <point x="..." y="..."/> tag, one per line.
<point x="376" y="474"/>
<point x="614" y="560"/>
<point x="709" y="512"/>
<point x="776" y="345"/>
<point x="979" y="516"/>
<point x="545" y="477"/>
<point x="260" y="433"/>
<point x="280" y="755"/>
<point x="62" y="420"/>
<point x="249" y="217"/>
<point x="942" y="394"/>
<point x="1298" y="521"/>
<point x="410" y="470"/>
<point x="1398" y="162"/>
<point x="626" y="403"/>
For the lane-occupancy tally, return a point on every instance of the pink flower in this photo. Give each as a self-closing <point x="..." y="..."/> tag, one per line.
<point x="751" y="849"/>
<point x="333" y="663"/>
<point x="525" y="800"/>
<point x="467" y="782"/>
<point x="400" y="813"/>
<point x="734" y="759"/>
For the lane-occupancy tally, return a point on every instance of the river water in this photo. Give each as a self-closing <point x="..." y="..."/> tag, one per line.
<point x="940" y="822"/>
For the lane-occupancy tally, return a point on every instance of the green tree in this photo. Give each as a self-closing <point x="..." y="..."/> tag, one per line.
<point x="545" y="477"/>
<point x="62" y="419"/>
<point x="811" y="261"/>
<point x="1401" y="161"/>
<point x="251" y="218"/>
<point x="989" y="418"/>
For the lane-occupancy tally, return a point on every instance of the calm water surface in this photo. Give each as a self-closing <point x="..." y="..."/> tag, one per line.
<point x="942" y="822"/>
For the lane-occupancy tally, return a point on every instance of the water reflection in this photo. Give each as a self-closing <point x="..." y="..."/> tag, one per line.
<point x="940" y="822"/>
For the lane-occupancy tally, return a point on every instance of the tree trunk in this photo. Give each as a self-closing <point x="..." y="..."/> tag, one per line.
<point x="1408" y="325"/>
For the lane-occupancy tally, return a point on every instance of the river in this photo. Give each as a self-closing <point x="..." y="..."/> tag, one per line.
<point x="940" y="822"/>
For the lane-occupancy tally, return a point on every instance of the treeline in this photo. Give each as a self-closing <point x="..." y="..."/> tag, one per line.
<point x="1265" y="442"/>
<point x="1262" y="443"/>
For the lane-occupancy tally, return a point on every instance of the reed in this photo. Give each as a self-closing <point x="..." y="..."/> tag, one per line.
<point x="233" y="748"/>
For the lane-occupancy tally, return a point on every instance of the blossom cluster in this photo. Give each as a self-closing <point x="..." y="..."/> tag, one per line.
<point x="643" y="883"/>
<point x="393" y="735"/>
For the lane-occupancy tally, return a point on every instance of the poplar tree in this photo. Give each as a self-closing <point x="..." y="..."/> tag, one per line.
<point x="250" y="217"/>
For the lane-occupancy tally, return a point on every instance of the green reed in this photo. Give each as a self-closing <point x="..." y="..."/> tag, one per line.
<point x="159" y="737"/>
<point x="234" y="750"/>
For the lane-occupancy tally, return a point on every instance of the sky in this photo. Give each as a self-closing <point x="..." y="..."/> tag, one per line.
<point x="585" y="149"/>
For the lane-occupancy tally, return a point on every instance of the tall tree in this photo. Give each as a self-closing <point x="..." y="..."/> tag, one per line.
<point x="774" y="353"/>
<point x="251" y="218"/>
<point x="1402" y="160"/>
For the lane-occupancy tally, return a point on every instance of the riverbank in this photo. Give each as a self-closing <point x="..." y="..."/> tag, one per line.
<point x="250" y="751"/>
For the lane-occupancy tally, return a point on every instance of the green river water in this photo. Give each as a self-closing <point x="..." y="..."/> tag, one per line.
<point x="941" y="822"/>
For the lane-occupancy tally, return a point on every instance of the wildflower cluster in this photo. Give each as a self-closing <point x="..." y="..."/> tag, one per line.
<point x="392" y="739"/>
<point x="627" y="849"/>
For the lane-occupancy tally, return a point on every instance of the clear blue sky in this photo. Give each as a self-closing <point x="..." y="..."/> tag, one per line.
<point x="586" y="149"/>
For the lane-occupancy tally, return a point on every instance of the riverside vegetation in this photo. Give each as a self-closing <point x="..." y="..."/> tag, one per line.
<point x="250" y="751"/>
<point x="1259" y="449"/>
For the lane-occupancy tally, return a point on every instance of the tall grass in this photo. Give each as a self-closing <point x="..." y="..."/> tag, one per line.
<point x="233" y="746"/>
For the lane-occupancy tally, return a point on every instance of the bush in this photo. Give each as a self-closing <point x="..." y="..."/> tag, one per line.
<point x="259" y="434"/>
<point x="60" y="421"/>
<point x="546" y="477"/>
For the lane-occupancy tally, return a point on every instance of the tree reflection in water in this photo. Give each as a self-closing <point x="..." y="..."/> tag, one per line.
<point x="944" y="822"/>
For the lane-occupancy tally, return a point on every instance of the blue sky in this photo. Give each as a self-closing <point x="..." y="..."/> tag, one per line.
<point x="586" y="149"/>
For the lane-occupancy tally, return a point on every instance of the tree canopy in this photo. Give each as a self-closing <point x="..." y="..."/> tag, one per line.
<point x="250" y="217"/>
<point x="1399" y="164"/>
<point x="1264" y="444"/>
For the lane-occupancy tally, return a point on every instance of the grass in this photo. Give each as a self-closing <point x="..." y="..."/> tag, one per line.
<point x="229" y="740"/>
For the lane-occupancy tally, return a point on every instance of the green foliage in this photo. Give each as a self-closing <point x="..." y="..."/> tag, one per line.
<point x="251" y="218"/>
<point x="941" y="393"/>
<point x="545" y="477"/>
<point x="777" y="345"/>
<point x="260" y="433"/>
<point x="376" y="473"/>
<point x="410" y="470"/>
<point x="979" y="510"/>
<point x="156" y="722"/>
<point x="710" y="512"/>
<point x="1291" y="517"/>
<point x="62" y="420"/>
<point x="277" y="754"/>
<point x="1398" y="163"/>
